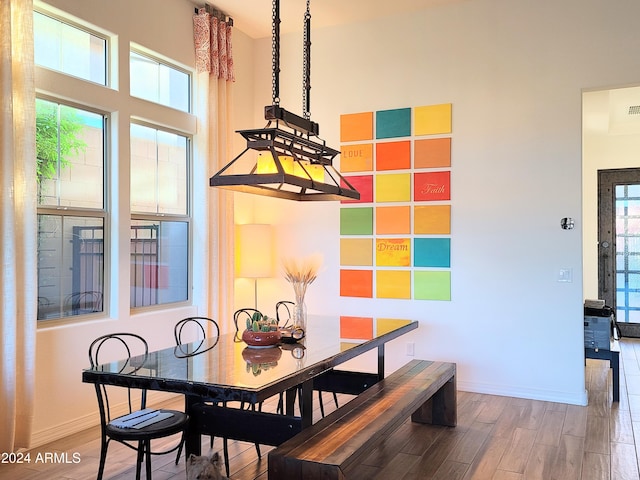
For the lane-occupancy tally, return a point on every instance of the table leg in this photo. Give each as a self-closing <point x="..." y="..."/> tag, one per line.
<point x="307" y="403"/>
<point x="192" y="442"/>
<point x="380" y="362"/>
<point x="615" y="366"/>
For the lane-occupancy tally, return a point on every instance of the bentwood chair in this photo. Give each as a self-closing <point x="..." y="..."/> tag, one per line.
<point x="240" y="318"/>
<point x="140" y="425"/>
<point x="283" y="315"/>
<point x="194" y="329"/>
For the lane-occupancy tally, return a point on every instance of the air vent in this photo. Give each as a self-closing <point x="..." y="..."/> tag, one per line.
<point x="634" y="110"/>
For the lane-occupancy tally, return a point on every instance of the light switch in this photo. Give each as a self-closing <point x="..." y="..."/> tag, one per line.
<point x="565" y="275"/>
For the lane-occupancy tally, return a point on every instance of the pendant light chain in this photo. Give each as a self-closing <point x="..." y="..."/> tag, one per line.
<point x="275" y="52"/>
<point x="306" y="64"/>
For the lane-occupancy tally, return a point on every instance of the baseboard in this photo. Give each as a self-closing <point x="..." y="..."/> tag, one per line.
<point x="578" y="398"/>
<point x="77" y="425"/>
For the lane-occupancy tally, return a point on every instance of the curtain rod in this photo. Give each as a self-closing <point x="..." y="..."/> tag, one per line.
<point x="214" y="12"/>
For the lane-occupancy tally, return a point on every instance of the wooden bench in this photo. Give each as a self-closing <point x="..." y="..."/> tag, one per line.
<point x="422" y="389"/>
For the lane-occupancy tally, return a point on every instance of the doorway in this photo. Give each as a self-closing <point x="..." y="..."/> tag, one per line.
<point x="619" y="245"/>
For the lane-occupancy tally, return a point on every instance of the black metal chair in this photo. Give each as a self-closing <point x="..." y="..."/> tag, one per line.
<point x="194" y="327"/>
<point x="283" y="306"/>
<point x="189" y="325"/>
<point x="239" y="319"/>
<point x="140" y="425"/>
<point x="283" y="315"/>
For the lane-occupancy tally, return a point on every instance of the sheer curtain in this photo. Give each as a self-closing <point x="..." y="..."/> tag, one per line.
<point x="18" y="279"/>
<point x="214" y="54"/>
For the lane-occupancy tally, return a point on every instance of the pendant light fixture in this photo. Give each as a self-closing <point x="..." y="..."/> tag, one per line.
<point x="286" y="159"/>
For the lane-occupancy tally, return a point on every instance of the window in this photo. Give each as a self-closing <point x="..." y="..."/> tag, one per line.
<point x="160" y="83"/>
<point x="160" y="225"/>
<point x="84" y="170"/>
<point x="68" y="49"/>
<point x="70" y="174"/>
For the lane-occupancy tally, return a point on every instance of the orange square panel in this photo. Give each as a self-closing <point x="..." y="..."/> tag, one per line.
<point x="356" y="127"/>
<point x="356" y="283"/>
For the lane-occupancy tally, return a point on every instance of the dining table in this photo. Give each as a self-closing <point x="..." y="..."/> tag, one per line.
<point x="225" y="381"/>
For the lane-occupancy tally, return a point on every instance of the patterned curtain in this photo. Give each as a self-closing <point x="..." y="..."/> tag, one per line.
<point x="212" y="39"/>
<point x="18" y="276"/>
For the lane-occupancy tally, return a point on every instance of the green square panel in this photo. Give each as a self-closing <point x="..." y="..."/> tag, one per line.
<point x="432" y="285"/>
<point x="356" y="221"/>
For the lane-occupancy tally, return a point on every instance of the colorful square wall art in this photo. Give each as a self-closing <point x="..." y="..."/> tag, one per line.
<point x="432" y="252"/>
<point x="393" y="155"/>
<point x="432" y="285"/>
<point x="432" y="153"/>
<point x="356" y="127"/>
<point x="363" y="184"/>
<point x="356" y="158"/>
<point x="356" y="221"/>
<point x="393" y="187"/>
<point x="393" y="123"/>
<point x="432" y="119"/>
<point x="432" y="186"/>
<point x="356" y="283"/>
<point x="356" y="328"/>
<point x="432" y="219"/>
<point x="356" y="252"/>
<point x="395" y="241"/>
<point x="393" y="284"/>
<point x="393" y="252"/>
<point x="394" y="220"/>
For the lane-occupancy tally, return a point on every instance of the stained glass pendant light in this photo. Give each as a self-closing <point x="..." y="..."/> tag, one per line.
<point x="286" y="159"/>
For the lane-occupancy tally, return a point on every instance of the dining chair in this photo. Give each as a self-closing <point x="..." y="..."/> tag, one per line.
<point x="140" y="425"/>
<point x="283" y="306"/>
<point x="240" y="318"/>
<point x="194" y="329"/>
<point x="283" y="315"/>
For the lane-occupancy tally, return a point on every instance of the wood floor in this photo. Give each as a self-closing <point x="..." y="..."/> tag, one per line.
<point x="497" y="438"/>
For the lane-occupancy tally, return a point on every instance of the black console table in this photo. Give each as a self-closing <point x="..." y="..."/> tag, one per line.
<point x="613" y="355"/>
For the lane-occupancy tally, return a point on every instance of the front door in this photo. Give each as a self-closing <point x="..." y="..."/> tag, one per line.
<point x="619" y="242"/>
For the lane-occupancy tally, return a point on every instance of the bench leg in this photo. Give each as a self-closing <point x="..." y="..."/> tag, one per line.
<point x="441" y="409"/>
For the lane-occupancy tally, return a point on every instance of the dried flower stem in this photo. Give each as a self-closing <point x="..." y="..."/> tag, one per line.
<point x="301" y="273"/>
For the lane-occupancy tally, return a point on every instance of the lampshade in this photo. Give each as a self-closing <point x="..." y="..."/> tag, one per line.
<point x="254" y="251"/>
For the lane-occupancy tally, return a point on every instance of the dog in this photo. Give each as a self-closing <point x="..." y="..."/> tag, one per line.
<point x="205" y="468"/>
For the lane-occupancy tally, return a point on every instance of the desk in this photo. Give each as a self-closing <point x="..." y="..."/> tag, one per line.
<point x="223" y="369"/>
<point x="613" y="355"/>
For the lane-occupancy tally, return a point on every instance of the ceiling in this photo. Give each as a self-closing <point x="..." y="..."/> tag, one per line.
<point x="253" y="17"/>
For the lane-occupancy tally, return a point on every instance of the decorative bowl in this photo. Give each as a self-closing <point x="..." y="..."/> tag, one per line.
<point x="261" y="339"/>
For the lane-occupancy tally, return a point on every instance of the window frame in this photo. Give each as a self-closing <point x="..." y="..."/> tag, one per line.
<point x="84" y="212"/>
<point x="87" y="29"/>
<point x="119" y="109"/>
<point x="169" y="217"/>
<point x="143" y="52"/>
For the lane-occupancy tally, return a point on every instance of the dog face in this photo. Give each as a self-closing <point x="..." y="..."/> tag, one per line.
<point x="204" y="468"/>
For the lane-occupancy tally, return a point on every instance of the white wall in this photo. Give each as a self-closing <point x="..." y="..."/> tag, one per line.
<point x="514" y="72"/>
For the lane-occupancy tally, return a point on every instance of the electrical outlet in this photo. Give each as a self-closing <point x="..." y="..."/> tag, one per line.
<point x="411" y="349"/>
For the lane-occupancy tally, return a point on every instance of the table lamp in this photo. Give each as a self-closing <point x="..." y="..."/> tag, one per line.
<point x="254" y="253"/>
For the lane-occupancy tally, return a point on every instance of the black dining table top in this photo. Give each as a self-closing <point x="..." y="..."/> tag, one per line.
<point x="225" y="368"/>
